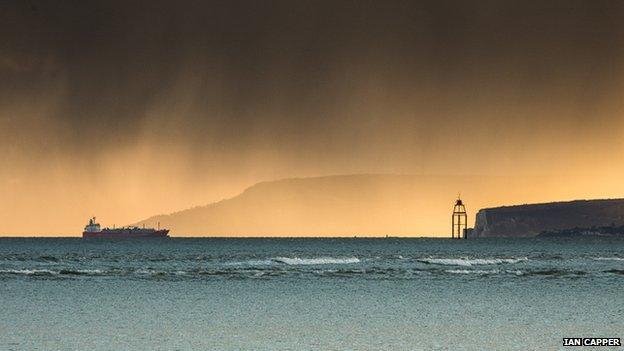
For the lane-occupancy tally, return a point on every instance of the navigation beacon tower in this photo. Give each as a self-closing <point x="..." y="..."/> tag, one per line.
<point x="459" y="220"/>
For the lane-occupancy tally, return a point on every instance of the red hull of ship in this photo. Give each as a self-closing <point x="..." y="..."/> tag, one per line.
<point x="164" y="233"/>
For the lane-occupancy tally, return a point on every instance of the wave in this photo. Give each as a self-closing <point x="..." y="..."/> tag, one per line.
<point x="608" y="258"/>
<point x="470" y="271"/>
<point x="267" y="262"/>
<point x="556" y="272"/>
<point x="528" y="273"/>
<point x="48" y="272"/>
<point x="615" y="271"/>
<point x="151" y="272"/>
<point x="484" y="272"/>
<point x="307" y="272"/>
<point x="295" y="261"/>
<point x="80" y="272"/>
<point x="468" y="262"/>
<point x="28" y="271"/>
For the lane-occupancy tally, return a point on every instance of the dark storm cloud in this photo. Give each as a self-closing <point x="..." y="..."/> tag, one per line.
<point x="303" y="58"/>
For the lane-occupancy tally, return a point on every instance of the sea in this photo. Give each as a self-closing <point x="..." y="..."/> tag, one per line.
<point x="308" y="294"/>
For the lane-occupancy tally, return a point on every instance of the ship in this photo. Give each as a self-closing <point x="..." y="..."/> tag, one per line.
<point x="93" y="230"/>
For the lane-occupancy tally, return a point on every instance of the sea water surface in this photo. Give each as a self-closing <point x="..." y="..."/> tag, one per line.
<point x="308" y="294"/>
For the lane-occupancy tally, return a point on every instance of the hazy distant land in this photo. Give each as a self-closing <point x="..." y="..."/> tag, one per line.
<point x="357" y="205"/>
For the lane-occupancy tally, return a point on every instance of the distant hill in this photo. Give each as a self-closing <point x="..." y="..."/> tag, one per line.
<point x="572" y="218"/>
<point x="348" y="205"/>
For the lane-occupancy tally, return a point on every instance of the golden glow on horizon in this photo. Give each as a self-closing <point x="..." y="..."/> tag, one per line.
<point x="49" y="191"/>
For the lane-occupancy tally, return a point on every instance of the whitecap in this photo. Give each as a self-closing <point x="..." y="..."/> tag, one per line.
<point x="467" y="262"/>
<point x="149" y="272"/>
<point x="28" y="271"/>
<point x="609" y="258"/>
<point x="315" y="261"/>
<point x="516" y="272"/>
<point x="470" y="271"/>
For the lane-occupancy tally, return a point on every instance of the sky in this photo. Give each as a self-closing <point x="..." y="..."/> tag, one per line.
<point x="126" y="109"/>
